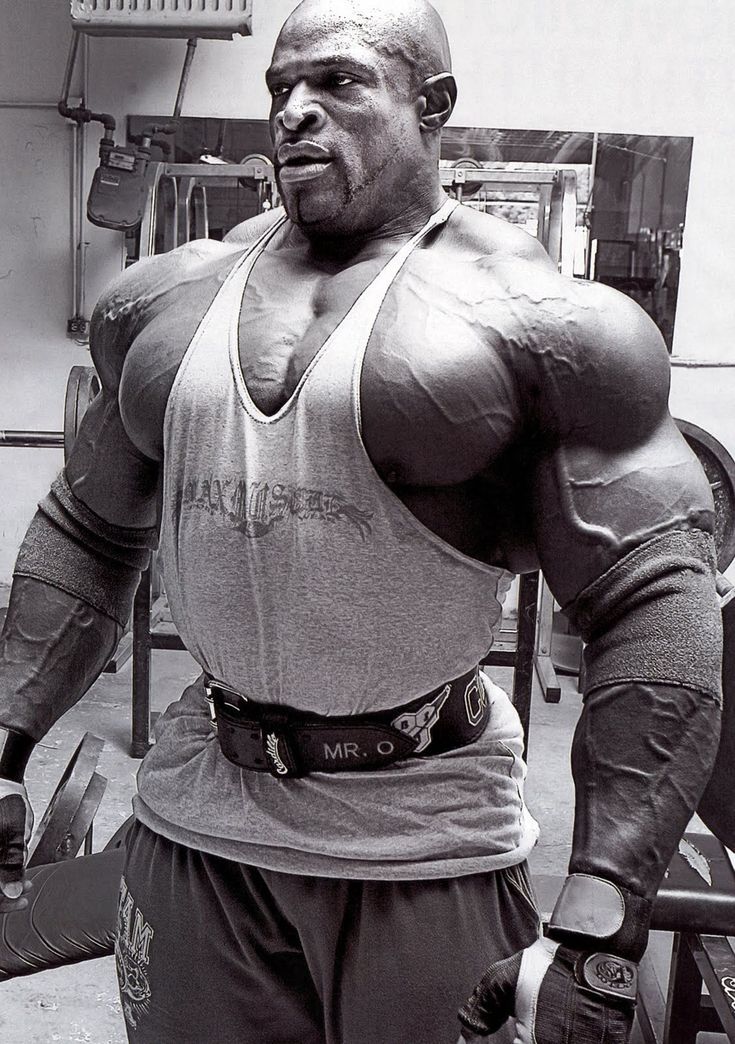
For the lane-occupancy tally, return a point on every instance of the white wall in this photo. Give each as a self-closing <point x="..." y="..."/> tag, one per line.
<point x="35" y="252"/>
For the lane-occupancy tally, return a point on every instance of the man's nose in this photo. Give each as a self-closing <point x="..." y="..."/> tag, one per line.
<point x="301" y="110"/>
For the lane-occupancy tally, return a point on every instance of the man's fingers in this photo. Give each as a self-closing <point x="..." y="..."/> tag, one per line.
<point x="11" y="889"/>
<point x="493" y="1000"/>
<point x="12" y="886"/>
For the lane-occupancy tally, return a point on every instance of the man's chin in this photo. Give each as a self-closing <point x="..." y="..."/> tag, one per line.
<point x="317" y="213"/>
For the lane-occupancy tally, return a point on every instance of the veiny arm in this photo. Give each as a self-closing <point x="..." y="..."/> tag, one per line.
<point x="623" y="529"/>
<point x="624" y="520"/>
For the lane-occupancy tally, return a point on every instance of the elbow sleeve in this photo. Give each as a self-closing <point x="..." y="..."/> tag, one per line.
<point x="71" y="548"/>
<point x="654" y="616"/>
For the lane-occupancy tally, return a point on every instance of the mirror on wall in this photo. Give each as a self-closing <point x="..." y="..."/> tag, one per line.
<point x="631" y="192"/>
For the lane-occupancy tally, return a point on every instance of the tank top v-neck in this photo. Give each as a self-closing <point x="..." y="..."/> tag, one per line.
<point x="297" y="577"/>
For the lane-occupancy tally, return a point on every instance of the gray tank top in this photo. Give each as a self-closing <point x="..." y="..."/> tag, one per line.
<point x="296" y="576"/>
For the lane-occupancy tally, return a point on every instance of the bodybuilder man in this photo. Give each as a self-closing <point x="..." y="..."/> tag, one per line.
<point x="360" y="416"/>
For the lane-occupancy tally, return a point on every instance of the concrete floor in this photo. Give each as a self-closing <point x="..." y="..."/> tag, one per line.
<point x="79" y="1003"/>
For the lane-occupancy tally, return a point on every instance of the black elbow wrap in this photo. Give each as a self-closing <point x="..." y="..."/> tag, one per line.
<point x="71" y="548"/>
<point x="654" y="616"/>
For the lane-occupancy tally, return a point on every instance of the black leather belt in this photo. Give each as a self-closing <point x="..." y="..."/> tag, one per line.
<point x="287" y="742"/>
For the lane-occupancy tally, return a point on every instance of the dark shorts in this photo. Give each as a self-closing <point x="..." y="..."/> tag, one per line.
<point x="214" y="952"/>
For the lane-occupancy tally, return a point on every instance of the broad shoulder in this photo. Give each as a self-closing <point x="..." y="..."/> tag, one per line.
<point x="596" y="361"/>
<point x="179" y="284"/>
<point x="143" y="292"/>
<point x="145" y="320"/>
<point x="588" y="357"/>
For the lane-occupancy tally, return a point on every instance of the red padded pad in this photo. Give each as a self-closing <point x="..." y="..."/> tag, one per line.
<point x="70" y="917"/>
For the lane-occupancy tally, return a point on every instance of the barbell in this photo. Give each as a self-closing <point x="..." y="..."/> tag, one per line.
<point x="81" y="387"/>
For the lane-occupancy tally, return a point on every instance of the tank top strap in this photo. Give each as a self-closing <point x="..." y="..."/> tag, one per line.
<point x="365" y="310"/>
<point x="236" y="280"/>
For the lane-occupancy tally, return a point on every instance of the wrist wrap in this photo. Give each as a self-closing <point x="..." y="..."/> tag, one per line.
<point x="15" y="750"/>
<point x="592" y="912"/>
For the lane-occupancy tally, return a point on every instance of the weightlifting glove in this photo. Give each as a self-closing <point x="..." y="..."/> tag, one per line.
<point x="16" y="815"/>
<point x="557" y="995"/>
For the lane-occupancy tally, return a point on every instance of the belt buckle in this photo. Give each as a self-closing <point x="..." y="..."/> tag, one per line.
<point x="226" y="691"/>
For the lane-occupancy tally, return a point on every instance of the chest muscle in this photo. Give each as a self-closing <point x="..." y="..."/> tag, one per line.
<point x="437" y="402"/>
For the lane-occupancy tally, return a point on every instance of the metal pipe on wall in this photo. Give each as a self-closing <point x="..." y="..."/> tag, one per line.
<point x="82" y="170"/>
<point x="28" y="105"/>
<point x="74" y="220"/>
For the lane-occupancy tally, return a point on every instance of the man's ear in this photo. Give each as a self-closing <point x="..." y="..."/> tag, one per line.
<point x="438" y="96"/>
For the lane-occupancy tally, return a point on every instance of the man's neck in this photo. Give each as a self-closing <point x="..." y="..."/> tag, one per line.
<point x="344" y="245"/>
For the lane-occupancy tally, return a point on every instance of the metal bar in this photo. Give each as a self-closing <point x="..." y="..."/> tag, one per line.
<point x="141" y="711"/>
<point x="651" y="1007"/>
<point x="590" y="204"/>
<point x="75" y="222"/>
<point x="148" y="224"/>
<point x="704" y="364"/>
<point x="183" y="209"/>
<point x="530" y="178"/>
<point x="550" y="687"/>
<point x="498" y="177"/>
<point x="528" y="585"/>
<point x="544" y="209"/>
<point x="568" y="180"/>
<point x="44" y="439"/>
<point x="82" y="175"/>
<point x="500" y="657"/>
<point x="191" y="46"/>
<point x="715" y="961"/>
<point x="166" y="641"/>
<point x="30" y="104"/>
<point x="684" y="994"/>
<point x="206" y="170"/>
<point x="69" y="72"/>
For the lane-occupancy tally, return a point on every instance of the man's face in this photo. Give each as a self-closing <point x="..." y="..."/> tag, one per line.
<point x="345" y="129"/>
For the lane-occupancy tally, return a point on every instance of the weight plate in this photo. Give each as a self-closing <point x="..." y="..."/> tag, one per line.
<point x="81" y="387"/>
<point x="257" y="168"/>
<point x="719" y="467"/>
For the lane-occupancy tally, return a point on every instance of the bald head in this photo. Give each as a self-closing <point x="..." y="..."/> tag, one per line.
<point x="360" y="91"/>
<point x="407" y="33"/>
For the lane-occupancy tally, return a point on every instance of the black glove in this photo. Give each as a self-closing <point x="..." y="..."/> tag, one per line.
<point x="556" y="994"/>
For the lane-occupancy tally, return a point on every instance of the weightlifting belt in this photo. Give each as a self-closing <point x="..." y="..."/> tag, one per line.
<point x="288" y="742"/>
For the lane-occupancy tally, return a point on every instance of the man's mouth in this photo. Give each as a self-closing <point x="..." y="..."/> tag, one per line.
<point x="301" y="161"/>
